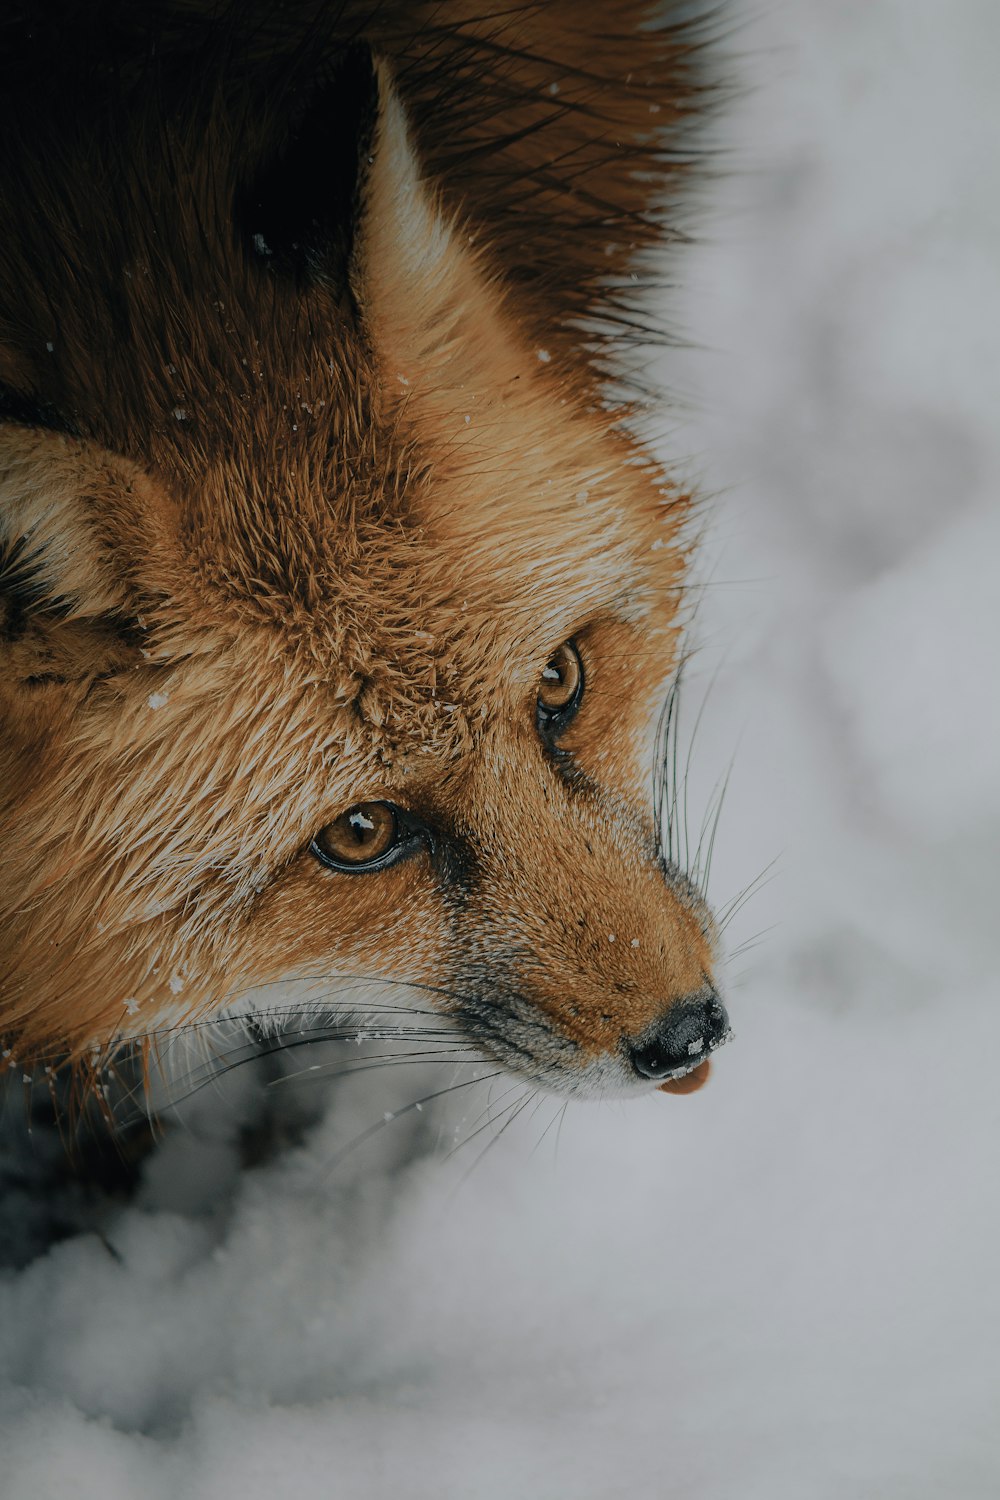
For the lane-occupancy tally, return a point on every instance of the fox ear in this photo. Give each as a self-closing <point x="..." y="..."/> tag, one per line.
<point x="434" y="318"/>
<point x="69" y="539"/>
<point x="345" y="204"/>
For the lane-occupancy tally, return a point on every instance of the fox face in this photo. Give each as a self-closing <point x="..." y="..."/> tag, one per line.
<point x="339" y="617"/>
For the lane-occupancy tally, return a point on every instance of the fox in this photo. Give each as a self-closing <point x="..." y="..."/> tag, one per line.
<point x="340" y="595"/>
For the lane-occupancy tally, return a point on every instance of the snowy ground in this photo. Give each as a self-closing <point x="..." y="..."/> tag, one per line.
<point x="783" y="1287"/>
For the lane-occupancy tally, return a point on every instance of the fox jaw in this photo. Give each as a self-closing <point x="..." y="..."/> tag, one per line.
<point x="346" y="664"/>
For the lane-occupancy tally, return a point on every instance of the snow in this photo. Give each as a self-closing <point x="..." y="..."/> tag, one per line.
<point x="782" y="1287"/>
<point x="913" y="658"/>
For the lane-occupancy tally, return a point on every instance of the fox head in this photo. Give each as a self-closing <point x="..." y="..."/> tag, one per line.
<point x="338" y="615"/>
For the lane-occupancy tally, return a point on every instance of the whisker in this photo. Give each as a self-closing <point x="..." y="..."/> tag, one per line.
<point x="491" y="1120"/>
<point x="750" y="943"/>
<point x="562" y="1117"/>
<point x="728" y="912"/>
<point x="322" y="1072"/>
<point x="406" y="1109"/>
<point x="343" y="983"/>
<point x="175" y="1089"/>
<point x="557" y="1114"/>
<point x="513" y="1111"/>
<point x="721" y="797"/>
<point x="223" y="1063"/>
<point x="673" y="773"/>
<point x="488" y="1110"/>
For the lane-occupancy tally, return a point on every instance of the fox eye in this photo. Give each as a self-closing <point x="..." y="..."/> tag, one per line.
<point x="560" y="689"/>
<point x="365" y="837"/>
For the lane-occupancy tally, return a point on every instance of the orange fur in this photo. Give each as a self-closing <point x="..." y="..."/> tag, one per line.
<point x="295" y="526"/>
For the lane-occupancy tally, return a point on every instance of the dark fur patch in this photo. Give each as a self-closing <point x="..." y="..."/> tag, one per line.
<point x="298" y="213"/>
<point x="27" y="410"/>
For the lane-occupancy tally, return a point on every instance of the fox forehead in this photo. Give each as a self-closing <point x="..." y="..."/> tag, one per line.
<point x="516" y="526"/>
<point x="416" y="614"/>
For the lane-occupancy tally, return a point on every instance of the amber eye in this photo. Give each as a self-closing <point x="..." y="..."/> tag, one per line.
<point x="365" y="837"/>
<point x="560" y="689"/>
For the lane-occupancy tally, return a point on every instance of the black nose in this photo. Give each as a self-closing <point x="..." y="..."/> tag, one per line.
<point x="682" y="1037"/>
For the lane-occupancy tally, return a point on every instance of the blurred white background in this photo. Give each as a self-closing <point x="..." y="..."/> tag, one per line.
<point x="783" y="1287"/>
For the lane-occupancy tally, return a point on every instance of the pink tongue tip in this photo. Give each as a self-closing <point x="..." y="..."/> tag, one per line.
<point x="690" y="1081"/>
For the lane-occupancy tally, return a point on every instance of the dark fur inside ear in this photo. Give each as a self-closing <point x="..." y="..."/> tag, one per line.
<point x="42" y="643"/>
<point x="297" y="214"/>
<point x="31" y="411"/>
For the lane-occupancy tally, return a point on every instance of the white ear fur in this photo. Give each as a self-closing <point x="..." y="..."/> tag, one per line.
<point x="431" y="310"/>
<point x="41" y="516"/>
<point x="404" y="221"/>
<point x="75" y="517"/>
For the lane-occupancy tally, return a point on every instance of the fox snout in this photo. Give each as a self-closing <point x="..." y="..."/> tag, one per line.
<point x="584" y="956"/>
<point x="593" y="1039"/>
<point x="679" y="1042"/>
